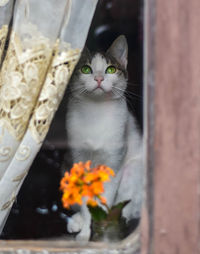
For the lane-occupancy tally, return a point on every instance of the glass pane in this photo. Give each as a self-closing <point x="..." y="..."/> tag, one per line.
<point x="38" y="212"/>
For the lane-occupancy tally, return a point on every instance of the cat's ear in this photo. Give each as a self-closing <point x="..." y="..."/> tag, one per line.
<point x="119" y="50"/>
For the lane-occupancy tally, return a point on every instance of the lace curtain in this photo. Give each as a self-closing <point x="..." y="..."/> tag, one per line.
<point x="40" y="44"/>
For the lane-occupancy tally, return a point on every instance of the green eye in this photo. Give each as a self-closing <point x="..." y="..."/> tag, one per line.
<point x="111" y="70"/>
<point x="86" y="69"/>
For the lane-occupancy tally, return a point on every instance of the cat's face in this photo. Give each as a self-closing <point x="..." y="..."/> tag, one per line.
<point x="102" y="75"/>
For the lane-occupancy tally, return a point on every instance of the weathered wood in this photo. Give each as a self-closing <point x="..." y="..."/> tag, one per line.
<point x="173" y="113"/>
<point x="149" y="84"/>
<point x="130" y="245"/>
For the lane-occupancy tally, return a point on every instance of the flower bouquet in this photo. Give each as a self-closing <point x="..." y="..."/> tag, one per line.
<point x="86" y="184"/>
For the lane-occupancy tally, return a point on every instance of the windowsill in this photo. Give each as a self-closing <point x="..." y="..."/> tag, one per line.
<point x="131" y="245"/>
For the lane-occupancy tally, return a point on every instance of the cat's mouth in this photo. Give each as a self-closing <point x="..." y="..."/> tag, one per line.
<point x="98" y="89"/>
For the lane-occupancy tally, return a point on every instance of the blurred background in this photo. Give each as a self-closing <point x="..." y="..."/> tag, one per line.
<point x="38" y="213"/>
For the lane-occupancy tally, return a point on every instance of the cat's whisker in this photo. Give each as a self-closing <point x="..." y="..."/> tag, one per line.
<point x="120" y="92"/>
<point x="75" y="89"/>
<point x="83" y="91"/>
<point x="115" y="92"/>
<point x="133" y="84"/>
<point x="129" y="103"/>
<point x="128" y="92"/>
<point x="132" y="96"/>
<point x="132" y="93"/>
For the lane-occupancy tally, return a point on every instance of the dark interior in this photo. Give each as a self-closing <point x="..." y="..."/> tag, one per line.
<point x="37" y="212"/>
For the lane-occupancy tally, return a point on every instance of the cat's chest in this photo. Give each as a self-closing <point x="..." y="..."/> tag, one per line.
<point x="96" y="126"/>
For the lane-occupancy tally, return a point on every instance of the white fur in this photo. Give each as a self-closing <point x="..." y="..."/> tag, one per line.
<point x="101" y="129"/>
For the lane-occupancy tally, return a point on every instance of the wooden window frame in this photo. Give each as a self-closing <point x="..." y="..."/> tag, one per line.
<point x="172" y="119"/>
<point x="171" y="215"/>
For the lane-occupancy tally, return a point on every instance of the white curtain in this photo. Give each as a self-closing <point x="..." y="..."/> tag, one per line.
<point x="45" y="42"/>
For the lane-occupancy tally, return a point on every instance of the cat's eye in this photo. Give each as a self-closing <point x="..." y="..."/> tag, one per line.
<point x="111" y="69"/>
<point x="86" y="69"/>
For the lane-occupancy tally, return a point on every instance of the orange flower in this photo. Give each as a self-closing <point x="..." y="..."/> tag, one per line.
<point x="87" y="165"/>
<point x="87" y="191"/>
<point x="92" y="202"/>
<point x="90" y="177"/>
<point x="97" y="188"/>
<point x="71" y="197"/>
<point x="103" y="200"/>
<point x="84" y="181"/>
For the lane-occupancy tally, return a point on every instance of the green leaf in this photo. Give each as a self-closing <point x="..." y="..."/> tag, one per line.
<point x="116" y="211"/>
<point x="97" y="213"/>
<point x="121" y="205"/>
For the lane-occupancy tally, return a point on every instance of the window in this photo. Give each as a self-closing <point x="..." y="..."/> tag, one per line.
<point x="37" y="213"/>
<point x="170" y="222"/>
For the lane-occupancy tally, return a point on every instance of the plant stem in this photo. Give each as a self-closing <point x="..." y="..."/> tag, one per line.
<point x="107" y="207"/>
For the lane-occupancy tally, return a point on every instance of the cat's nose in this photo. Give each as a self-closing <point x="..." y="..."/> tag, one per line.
<point x="99" y="79"/>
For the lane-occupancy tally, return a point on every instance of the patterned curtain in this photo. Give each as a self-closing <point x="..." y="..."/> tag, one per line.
<point x="40" y="44"/>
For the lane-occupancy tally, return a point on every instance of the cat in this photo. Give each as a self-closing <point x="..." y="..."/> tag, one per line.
<point x="100" y="128"/>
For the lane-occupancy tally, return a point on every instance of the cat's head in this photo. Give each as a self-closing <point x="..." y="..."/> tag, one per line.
<point x="102" y="75"/>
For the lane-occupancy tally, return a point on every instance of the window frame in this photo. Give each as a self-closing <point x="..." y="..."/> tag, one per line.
<point x="170" y="224"/>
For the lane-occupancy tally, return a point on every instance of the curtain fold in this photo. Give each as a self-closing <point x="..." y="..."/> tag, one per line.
<point x="24" y="68"/>
<point x="6" y="12"/>
<point x="33" y="82"/>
